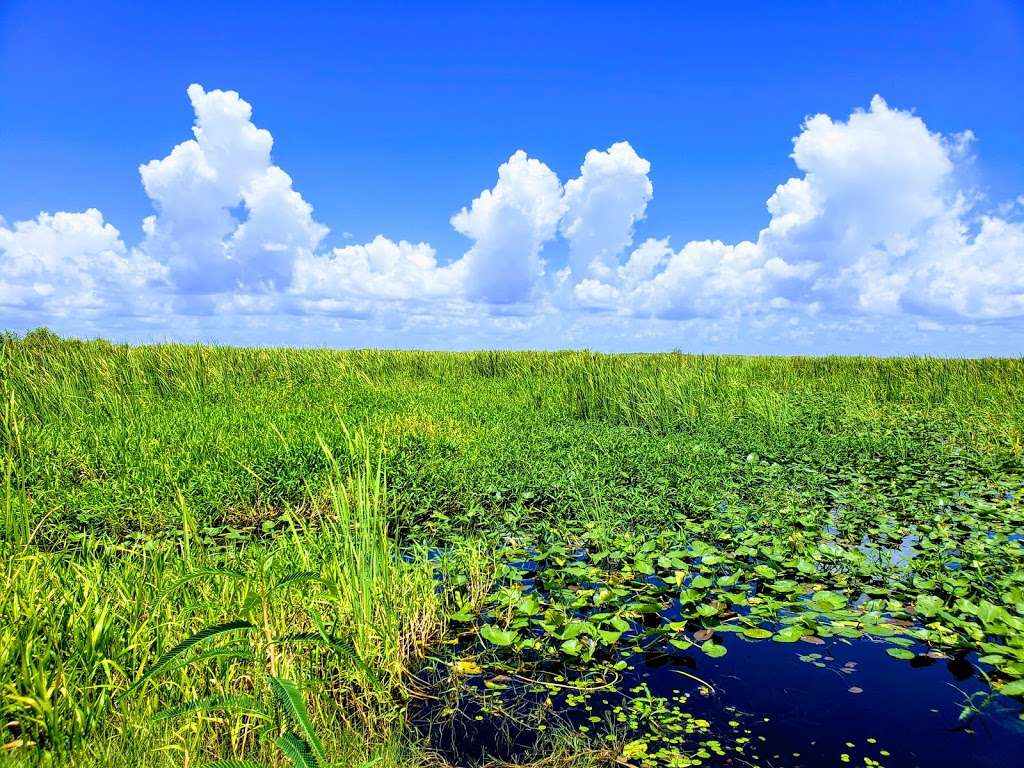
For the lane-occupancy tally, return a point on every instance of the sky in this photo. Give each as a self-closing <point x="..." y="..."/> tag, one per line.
<point x="798" y="178"/>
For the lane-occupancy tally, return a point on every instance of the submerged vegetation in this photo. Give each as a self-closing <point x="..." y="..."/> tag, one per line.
<point x="242" y="557"/>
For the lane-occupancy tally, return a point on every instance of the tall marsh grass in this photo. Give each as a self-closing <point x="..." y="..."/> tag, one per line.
<point x="780" y="398"/>
<point x="151" y="493"/>
<point x="83" y="626"/>
<point x="106" y="438"/>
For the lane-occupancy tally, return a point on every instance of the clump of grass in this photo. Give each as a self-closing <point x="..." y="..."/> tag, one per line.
<point x="311" y="633"/>
<point x="15" y="515"/>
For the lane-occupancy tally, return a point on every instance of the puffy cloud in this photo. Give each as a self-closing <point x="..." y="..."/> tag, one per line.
<point x="602" y="205"/>
<point x="704" y="278"/>
<point x="709" y="278"/>
<point x="380" y="269"/>
<point x="891" y="227"/>
<point x="875" y="232"/>
<point x="643" y="264"/>
<point x="979" y="277"/>
<point x="878" y="175"/>
<point x="510" y="225"/>
<point x="876" y="225"/>
<point x="70" y="262"/>
<point x="203" y="187"/>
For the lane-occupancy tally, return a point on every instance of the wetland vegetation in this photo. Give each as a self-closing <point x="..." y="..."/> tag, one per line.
<point x="265" y="557"/>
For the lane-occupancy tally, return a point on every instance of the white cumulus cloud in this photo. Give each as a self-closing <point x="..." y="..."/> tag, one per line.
<point x="877" y="224"/>
<point x="876" y="229"/>
<point x="602" y="205"/>
<point x="227" y="218"/>
<point x="978" y="276"/>
<point x="381" y="269"/>
<point x="510" y="225"/>
<point x="65" y="263"/>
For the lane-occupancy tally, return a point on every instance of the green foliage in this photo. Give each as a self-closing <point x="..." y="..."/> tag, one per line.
<point x="185" y="645"/>
<point x="128" y="440"/>
<point x="291" y="703"/>
<point x="151" y="494"/>
<point x="106" y="647"/>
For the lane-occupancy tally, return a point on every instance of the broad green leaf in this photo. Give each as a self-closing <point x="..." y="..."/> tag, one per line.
<point x="900" y="653"/>
<point x="766" y="572"/>
<point x="928" y="605"/>
<point x="789" y="634"/>
<point x="609" y="637"/>
<point x="1013" y="688"/>
<point x="783" y="585"/>
<point x="712" y="649"/>
<point x="571" y="647"/>
<point x="500" y="637"/>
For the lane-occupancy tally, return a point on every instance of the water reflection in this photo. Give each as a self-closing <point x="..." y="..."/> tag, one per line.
<point x="802" y="705"/>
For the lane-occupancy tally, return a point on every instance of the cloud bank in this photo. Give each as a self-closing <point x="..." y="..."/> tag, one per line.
<point x="877" y="230"/>
<point x="875" y="225"/>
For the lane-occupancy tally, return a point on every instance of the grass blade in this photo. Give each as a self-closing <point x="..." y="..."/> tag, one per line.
<point x="237" y="703"/>
<point x="347" y="650"/>
<point x="199" y="574"/>
<point x="295" y="578"/>
<point x="234" y="654"/>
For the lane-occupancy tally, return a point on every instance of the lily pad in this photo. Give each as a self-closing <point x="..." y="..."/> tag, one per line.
<point x="900" y="653"/>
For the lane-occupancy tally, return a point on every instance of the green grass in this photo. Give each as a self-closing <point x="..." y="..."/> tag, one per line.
<point x="149" y="492"/>
<point x="93" y="672"/>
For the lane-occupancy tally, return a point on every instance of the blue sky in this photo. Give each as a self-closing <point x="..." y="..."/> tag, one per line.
<point x="389" y="121"/>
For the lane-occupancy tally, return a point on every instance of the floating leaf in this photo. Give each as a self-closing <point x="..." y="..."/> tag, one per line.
<point x="788" y="634"/>
<point x="783" y="585"/>
<point x="466" y="667"/>
<point x="1014" y="688"/>
<point x="713" y="650"/>
<point x="571" y="647"/>
<point x="900" y="653"/>
<point x="928" y="605"/>
<point x="500" y="637"/>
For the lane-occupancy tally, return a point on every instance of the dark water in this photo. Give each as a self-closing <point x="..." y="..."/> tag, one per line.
<point x="769" y="707"/>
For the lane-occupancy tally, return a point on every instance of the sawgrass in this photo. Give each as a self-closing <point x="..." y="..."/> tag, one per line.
<point x="136" y="480"/>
